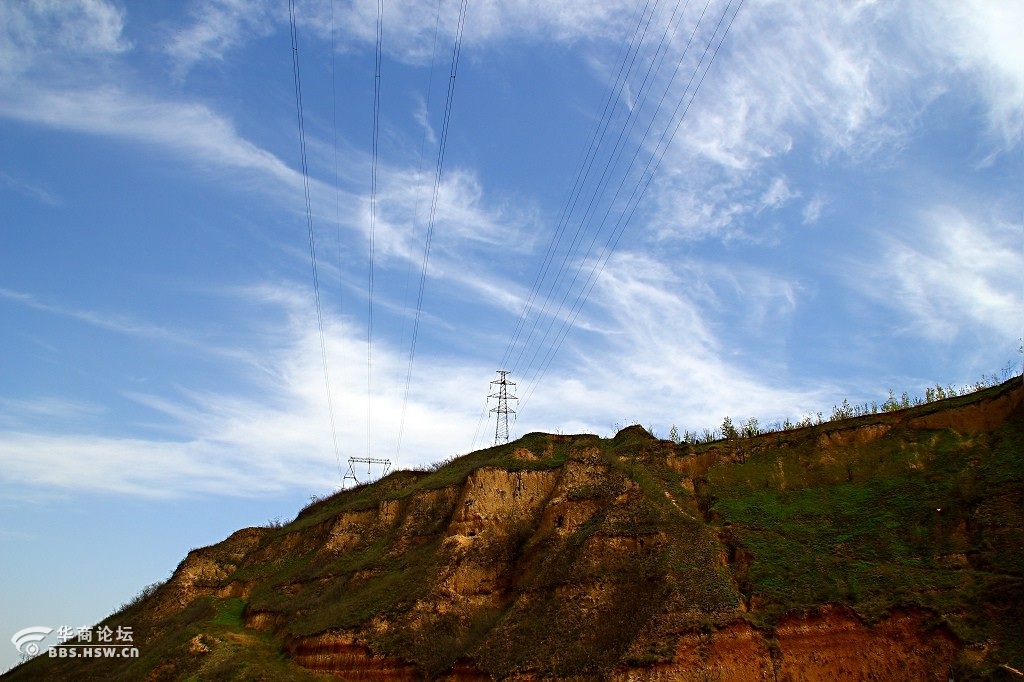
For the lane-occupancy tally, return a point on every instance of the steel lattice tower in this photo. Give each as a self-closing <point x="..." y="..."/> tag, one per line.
<point x="502" y="410"/>
<point x="351" y="473"/>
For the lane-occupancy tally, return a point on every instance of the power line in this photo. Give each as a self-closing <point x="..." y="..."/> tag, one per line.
<point x="588" y="166"/>
<point x="420" y="170"/>
<point x="373" y="223"/>
<point x="615" y="91"/>
<point x="433" y="203"/>
<point x="602" y="182"/>
<point x="337" y="181"/>
<point x="642" y="182"/>
<point x="479" y="425"/>
<point x="613" y="158"/>
<point x="309" y="222"/>
<point x="625" y="217"/>
<point x="649" y="172"/>
<point x="583" y="172"/>
<point x="334" y="129"/>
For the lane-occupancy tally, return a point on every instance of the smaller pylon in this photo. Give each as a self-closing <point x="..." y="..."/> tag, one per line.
<point x="502" y="410"/>
<point x="368" y="461"/>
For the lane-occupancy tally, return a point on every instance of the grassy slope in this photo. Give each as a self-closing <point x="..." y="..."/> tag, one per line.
<point x="931" y="519"/>
<point x="858" y="525"/>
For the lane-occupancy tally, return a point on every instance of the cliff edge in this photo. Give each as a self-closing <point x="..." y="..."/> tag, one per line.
<point x="889" y="546"/>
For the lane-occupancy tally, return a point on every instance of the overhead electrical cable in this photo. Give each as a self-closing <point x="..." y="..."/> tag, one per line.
<point x="595" y="191"/>
<point x="479" y="424"/>
<point x="582" y="173"/>
<point x="421" y="170"/>
<point x="337" y="187"/>
<point x="597" y="195"/>
<point x="615" y="92"/>
<point x="334" y="128"/>
<point x="309" y="224"/>
<point x="606" y="175"/>
<point x="640" y="190"/>
<point x="373" y="224"/>
<point x="446" y="121"/>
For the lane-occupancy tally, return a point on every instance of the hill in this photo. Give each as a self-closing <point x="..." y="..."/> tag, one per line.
<point x="889" y="546"/>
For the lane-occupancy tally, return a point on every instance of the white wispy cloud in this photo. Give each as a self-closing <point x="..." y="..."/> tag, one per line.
<point x="409" y="28"/>
<point x="816" y="90"/>
<point x="108" y="321"/>
<point x="40" y="31"/>
<point x="67" y="71"/>
<point x="17" y="412"/>
<point x="778" y="194"/>
<point x="659" y="357"/>
<point x="274" y="438"/>
<point x="819" y="81"/>
<point x="34" y="191"/>
<point x="422" y="117"/>
<point x="813" y="209"/>
<point x="88" y="463"/>
<point x="217" y="27"/>
<point x="468" y="225"/>
<point x="83" y="25"/>
<point x="836" y="85"/>
<point x="276" y="435"/>
<point x="981" y="40"/>
<point x="461" y="213"/>
<point x="131" y="327"/>
<point x="954" y="266"/>
<point x="185" y="129"/>
<point x="414" y="32"/>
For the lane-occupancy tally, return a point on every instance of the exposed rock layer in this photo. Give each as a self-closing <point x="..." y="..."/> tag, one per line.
<point x="573" y="557"/>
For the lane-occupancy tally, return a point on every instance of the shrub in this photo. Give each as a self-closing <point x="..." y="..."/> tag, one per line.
<point x="729" y="431"/>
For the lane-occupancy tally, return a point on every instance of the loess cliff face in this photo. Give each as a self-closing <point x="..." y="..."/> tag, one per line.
<point x="880" y="548"/>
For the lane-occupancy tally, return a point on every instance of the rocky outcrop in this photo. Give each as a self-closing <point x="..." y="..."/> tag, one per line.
<point x="832" y="644"/>
<point x="342" y="655"/>
<point x="835" y="644"/>
<point x="207" y="571"/>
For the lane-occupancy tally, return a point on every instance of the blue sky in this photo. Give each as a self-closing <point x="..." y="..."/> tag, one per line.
<point x="838" y="213"/>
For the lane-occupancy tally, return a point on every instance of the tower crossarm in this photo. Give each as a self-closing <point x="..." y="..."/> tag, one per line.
<point x="368" y="461"/>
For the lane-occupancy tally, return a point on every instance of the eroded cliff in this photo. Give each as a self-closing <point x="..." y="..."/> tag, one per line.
<point x="884" y="547"/>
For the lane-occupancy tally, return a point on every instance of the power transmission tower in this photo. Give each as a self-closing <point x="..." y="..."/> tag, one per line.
<point x="368" y="461"/>
<point x="502" y="410"/>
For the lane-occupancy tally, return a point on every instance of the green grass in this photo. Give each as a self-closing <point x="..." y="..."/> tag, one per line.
<point x="928" y="519"/>
<point x="229" y="613"/>
<point x="879" y="538"/>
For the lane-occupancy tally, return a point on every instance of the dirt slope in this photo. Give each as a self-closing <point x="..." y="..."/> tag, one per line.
<point x="884" y="547"/>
